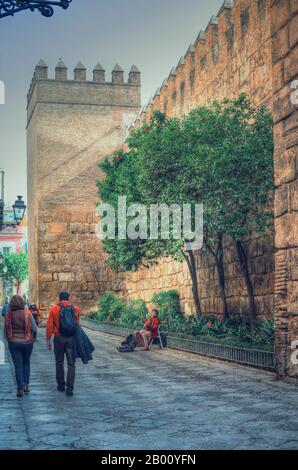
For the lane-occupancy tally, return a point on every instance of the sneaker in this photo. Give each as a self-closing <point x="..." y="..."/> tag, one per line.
<point x="26" y="388"/>
<point x="20" y="393"/>
<point x="69" y="392"/>
<point x="61" y="388"/>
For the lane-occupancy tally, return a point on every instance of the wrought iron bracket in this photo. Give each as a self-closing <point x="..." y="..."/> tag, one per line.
<point x="10" y="7"/>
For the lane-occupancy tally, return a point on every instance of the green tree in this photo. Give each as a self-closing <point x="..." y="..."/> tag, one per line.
<point x="147" y="174"/>
<point x="220" y="156"/>
<point x="232" y="173"/>
<point x="14" y="269"/>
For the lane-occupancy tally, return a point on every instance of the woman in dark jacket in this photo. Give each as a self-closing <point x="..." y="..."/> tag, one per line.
<point x="19" y="331"/>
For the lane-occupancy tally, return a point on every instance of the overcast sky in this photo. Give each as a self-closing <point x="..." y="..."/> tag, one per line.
<point x="152" y="34"/>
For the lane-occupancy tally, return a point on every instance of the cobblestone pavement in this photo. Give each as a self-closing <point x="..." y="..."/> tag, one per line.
<point x="148" y="400"/>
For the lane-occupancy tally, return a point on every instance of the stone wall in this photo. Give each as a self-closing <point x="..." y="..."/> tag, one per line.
<point x="72" y="126"/>
<point x="284" y="24"/>
<point x="231" y="56"/>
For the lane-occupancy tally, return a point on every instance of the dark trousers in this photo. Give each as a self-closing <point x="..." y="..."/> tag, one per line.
<point x="63" y="346"/>
<point x="21" y="353"/>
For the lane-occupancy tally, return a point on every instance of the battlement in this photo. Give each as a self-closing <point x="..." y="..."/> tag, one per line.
<point x="220" y="52"/>
<point x="78" y="90"/>
<point x="61" y="81"/>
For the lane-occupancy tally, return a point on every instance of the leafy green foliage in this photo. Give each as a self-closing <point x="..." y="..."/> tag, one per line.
<point x="110" y="308"/>
<point x="167" y="304"/>
<point x="220" y="156"/>
<point x="133" y="314"/>
<point x="14" y="268"/>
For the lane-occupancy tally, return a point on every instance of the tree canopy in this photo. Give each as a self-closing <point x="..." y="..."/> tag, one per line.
<point x="220" y="156"/>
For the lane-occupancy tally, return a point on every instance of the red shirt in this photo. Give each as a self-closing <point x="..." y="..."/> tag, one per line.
<point x="54" y="318"/>
<point x="152" y="324"/>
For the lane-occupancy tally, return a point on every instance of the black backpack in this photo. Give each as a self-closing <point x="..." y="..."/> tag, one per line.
<point x="68" y="321"/>
<point x="128" y="345"/>
<point x="125" y="349"/>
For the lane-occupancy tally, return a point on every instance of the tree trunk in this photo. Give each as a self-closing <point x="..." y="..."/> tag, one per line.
<point x="190" y="260"/>
<point x="221" y="277"/>
<point x="18" y="285"/>
<point x="218" y="256"/>
<point x="250" y="292"/>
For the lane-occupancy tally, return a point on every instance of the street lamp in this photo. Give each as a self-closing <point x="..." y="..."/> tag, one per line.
<point x="19" y="209"/>
<point x="46" y="8"/>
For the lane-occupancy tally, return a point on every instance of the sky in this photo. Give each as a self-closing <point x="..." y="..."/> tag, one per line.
<point x="152" y="34"/>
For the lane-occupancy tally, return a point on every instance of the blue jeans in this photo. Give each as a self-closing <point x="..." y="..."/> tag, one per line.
<point x="21" y="353"/>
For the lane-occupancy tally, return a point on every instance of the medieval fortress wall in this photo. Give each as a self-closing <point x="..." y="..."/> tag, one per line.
<point x="72" y="125"/>
<point x="284" y="29"/>
<point x="232" y="55"/>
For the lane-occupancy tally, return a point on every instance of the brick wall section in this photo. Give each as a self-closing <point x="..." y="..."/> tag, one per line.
<point x="72" y="126"/>
<point x="232" y="55"/>
<point x="284" y="24"/>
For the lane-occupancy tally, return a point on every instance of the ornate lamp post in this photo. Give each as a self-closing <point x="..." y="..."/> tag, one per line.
<point x="46" y="8"/>
<point x="19" y="209"/>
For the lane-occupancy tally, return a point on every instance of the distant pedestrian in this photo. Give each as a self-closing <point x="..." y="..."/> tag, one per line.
<point x="20" y="328"/>
<point x="5" y="307"/>
<point x="36" y="313"/>
<point x="62" y="322"/>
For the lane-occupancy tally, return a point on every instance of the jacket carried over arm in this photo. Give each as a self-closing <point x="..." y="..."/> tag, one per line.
<point x="54" y="318"/>
<point x="83" y="348"/>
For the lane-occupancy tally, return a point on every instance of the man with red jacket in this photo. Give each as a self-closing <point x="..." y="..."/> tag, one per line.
<point x="64" y="313"/>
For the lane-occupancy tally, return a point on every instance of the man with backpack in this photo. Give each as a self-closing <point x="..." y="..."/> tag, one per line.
<point x="62" y="322"/>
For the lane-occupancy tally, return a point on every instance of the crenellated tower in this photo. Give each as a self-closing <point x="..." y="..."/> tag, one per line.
<point x="72" y="124"/>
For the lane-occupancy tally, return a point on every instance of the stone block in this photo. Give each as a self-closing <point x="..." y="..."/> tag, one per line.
<point x="56" y="228"/>
<point x="260" y="265"/>
<point x="45" y="277"/>
<point x="281" y="200"/>
<point x="293" y="189"/>
<point x="285" y="166"/>
<point x="280" y="15"/>
<point x="293" y="264"/>
<point x="278" y="76"/>
<point x="280" y="44"/>
<point x="291" y="65"/>
<point x="286" y="231"/>
<point x="294" y="31"/>
<point x="282" y="105"/>
<point x="294" y="6"/>
<point x="65" y="277"/>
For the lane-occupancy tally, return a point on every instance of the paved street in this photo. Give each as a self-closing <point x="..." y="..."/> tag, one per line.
<point x="156" y="400"/>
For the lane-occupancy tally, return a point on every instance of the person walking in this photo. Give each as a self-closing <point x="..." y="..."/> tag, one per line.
<point x="62" y="322"/>
<point x="36" y="313"/>
<point x="19" y="329"/>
